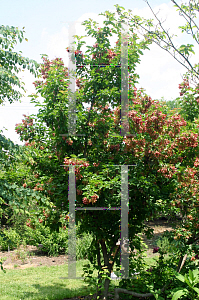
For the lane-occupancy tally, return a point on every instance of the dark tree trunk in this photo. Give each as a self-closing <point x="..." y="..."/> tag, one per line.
<point x="99" y="293"/>
<point x="108" y="263"/>
<point x="106" y="288"/>
<point x="109" y="267"/>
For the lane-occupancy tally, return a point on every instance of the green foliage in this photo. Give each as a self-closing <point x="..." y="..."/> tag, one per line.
<point x="11" y="63"/>
<point x="186" y="49"/>
<point x="191" y="291"/>
<point x="165" y="245"/>
<point x="51" y="243"/>
<point x="147" y="280"/>
<point x="9" y="239"/>
<point x="46" y="141"/>
<point x="162" y="152"/>
<point x="12" y="194"/>
<point x="94" y="281"/>
<point x="189" y="100"/>
<point x="159" y="149"/>
<point x="170" y="106"/>
<point x="151" y="279"/>
<point x="16" y="198"/>
<point x="83" y="243"/>
<point x="1" y="264"/>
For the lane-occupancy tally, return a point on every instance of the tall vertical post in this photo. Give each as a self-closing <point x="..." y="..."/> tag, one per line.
<point x="72" y="77"/>
<point x="124" y="221"/>
<point x="124" y="82"/>
<point x="71" y="227"/>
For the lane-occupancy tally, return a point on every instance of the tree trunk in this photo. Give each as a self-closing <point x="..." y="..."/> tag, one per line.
<point x="109" y="267"/>
<point x="106" y="288"/>
<point x="99" y="293"/>
<point x="108" y="263"/>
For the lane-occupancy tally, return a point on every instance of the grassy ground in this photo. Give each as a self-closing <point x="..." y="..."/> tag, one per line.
<point x="43" y="283"/>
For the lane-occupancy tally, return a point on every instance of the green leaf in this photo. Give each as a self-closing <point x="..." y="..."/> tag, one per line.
<point x="179" y="293"/>
<point x="196" y="290"/>
<point x="180" y="277"/>
<point x="196" y="272"/>
<point x="191" y="276"/>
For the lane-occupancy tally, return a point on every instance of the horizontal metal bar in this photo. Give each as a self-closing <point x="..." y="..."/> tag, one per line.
<point x="98" y="65"/>
<point x="65" y="134"/>
<point x="109" y="166"/>
<point x="98" y="208"/>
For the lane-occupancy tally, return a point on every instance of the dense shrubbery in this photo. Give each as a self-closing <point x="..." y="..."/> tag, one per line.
<point x="161" y="278"/>
<point x="54" y="243"/>
<point x="9" y="239"/>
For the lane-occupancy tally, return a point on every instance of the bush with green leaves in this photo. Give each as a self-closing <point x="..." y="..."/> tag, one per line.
<point x="9" y="239"/>
<point x="53" y="243"/>
<point x="188" y="286"/>
<point x="82" y="245"/>
<point x="165" y="245"/>
<point x="155" y="280"/>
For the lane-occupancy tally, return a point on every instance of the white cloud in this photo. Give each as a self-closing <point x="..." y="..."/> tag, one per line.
<point x="56" y="44"/>
<point x="44" y="33"/>
<point x="159" y="74"/>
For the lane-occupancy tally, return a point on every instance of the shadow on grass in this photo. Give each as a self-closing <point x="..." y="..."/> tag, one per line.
<point x="57" y="292"/>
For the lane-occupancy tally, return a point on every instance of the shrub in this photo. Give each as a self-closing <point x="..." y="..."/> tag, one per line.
<point x="56" y="243"/>
<point x="9" y="239"/>
<point x="53" y="244"/>
<point x="165" y="245"/>
<point x="82" y="245"/>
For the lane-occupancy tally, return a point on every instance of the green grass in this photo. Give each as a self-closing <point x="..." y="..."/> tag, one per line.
<point x="43" y="283"/>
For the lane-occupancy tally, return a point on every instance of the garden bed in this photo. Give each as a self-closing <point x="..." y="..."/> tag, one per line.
<point x="31" y="256"/>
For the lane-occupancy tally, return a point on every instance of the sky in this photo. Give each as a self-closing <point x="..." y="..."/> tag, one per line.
<point x="46" y="25"/>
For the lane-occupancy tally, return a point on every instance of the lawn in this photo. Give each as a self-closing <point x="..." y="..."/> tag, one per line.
<point x="43" y="283"/>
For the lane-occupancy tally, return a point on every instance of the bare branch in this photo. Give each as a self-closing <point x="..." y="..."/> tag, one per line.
<point x="184" y="61"/>
<point x="160" y="23"/>
<point x="171" y="43"/>
<point x="191" y="20"/>
<point x="173" y="55"/>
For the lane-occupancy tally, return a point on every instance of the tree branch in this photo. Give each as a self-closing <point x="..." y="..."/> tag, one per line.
<point x="190" y="19"/>
<point x="170" y="40"/>
<point x="169" y="44"/>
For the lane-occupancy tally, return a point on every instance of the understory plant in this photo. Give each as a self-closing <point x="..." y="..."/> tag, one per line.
<point x="188" y="288"/>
